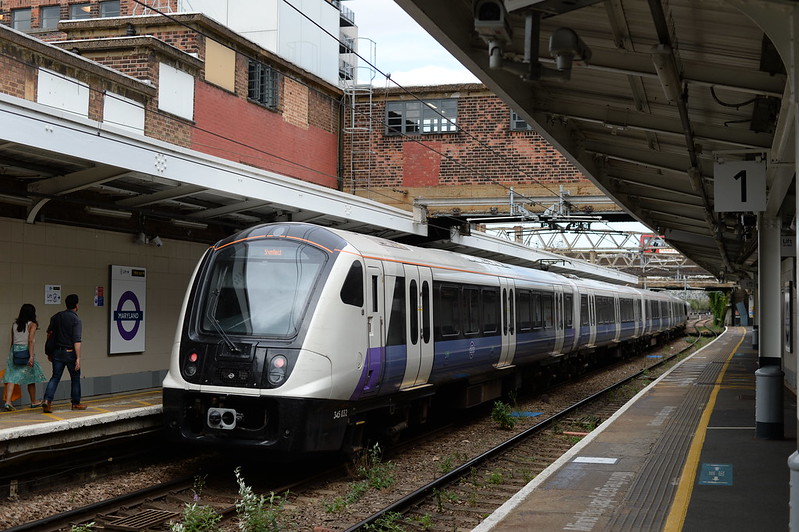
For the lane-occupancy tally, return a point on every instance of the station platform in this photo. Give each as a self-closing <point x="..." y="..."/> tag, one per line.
<point x="29" y="430"/>
<point x="682" y="455"/>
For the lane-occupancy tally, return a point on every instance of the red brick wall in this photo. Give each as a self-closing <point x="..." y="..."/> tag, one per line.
<point x="235" y="129"/>
<point x="18" y="78"/>
<point x="421" y="165"/>
<point x="135" y="63"/>
<point x="484" y="151"/>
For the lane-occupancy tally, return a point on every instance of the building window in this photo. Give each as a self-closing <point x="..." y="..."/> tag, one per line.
<point x="517" y="123"/>
<point x="109" y="8"/>
<point x="49" y="17"/>
<point x="79" y="11"/>
<point x="263" y="84"/>
<point x="427" y="116"/>
<point x="21" y="19"/>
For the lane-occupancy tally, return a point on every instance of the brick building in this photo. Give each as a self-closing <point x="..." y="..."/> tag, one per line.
<point x="191" y="81"/>
<point x="183" y="79"/>
<point x="458" y="149"/>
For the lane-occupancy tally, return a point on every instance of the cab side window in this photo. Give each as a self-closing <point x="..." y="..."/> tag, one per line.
<point x="352" y="289"/>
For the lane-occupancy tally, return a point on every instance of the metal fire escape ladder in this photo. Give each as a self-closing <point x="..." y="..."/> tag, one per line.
<point x="358" y="128"/>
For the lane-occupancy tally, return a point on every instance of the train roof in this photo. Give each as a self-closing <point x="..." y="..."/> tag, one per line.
<point x="378" y="248"/>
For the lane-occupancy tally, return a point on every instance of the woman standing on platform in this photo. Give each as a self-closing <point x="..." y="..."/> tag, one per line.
<point x="23" y="333"/>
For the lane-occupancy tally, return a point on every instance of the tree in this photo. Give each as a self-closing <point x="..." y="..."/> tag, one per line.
<point x="719" y="301"/>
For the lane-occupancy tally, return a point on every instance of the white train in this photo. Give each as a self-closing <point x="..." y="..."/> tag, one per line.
<point x="296" y="338"/>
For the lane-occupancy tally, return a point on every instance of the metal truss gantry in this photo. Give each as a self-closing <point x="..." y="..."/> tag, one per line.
<point x="635" y="252"/>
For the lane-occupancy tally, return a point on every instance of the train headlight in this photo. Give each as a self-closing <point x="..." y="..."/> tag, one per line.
<point x="277" y="370"/>
<point x="190" y="369"/>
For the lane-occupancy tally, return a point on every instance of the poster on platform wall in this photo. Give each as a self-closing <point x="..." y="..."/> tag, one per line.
<point x="126" y="304"/>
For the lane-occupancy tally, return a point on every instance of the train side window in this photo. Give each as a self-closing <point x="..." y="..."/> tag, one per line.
<point x="511" y="313"/>
<point x="375" y="295"/>
<point x="396" y="321"/>
<point x="524" y="317"/>
<point x="538" y="321"/>
<point x="471" y="307"/>
<point x="567" y="311"/>
<point x="627" y="310"/>
<point x="447" y="311"/>
<point x="584" y="317"/>
<point x="490" y="310"/>
<point x="352" y="289"/>
<point x="504" y="311"/>
<point x="425" y="311"/>
<point x="546" y="309"/>
<point x="413" y="296"/>
<point x="606" y="310"/>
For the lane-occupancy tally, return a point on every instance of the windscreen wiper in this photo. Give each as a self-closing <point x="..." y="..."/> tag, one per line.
<point x="217" y="326"/>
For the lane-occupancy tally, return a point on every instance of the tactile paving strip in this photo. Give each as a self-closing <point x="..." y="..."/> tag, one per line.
<point x="649" y="498"/>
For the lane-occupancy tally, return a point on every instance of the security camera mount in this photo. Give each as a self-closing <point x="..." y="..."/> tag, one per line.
<point x="491" y="22"/>
<point x="565" y="46"/>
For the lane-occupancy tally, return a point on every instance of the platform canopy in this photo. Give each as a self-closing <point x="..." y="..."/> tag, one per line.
<point x="679" y="110"/>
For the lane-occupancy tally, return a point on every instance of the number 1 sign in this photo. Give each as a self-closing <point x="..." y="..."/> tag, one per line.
<point x="739" y="186"/>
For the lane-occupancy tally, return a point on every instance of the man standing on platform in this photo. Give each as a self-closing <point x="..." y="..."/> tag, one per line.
<point x="67" y="328"/>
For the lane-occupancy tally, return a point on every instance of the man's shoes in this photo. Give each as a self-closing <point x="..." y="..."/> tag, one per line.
<point x="47" y="407"/>
<point x="78" y="406"/>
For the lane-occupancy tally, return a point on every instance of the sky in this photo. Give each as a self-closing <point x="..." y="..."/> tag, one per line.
<point x="402" y="48"/>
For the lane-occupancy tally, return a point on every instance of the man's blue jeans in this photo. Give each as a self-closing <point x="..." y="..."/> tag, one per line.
<point x="64" y="359"/>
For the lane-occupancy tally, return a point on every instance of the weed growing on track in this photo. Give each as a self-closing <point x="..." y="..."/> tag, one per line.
<point x="258" y="513"/>
<point x="442" y="496"/>
<point x="88" y="527"/>
<point x="197" y="517"/>
<point x="390" y="522"/>
<point x="501" y="414"/>
<point x="377" y="474"/>
<point x="495" y="477"/>
<point x="449" y="461"/>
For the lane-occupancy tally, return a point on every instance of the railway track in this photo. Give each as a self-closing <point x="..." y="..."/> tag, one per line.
<point x="460" y="496"/>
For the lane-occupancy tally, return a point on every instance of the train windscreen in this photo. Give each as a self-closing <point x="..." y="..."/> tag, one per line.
<point x="260" y="288"/>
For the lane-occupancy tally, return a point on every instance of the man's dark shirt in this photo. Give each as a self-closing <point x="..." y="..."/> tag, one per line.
<point x="68" y="328"/>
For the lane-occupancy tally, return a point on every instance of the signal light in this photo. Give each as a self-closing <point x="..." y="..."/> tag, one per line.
<point x="193" y="357"/>
<point x="277" y="370"/>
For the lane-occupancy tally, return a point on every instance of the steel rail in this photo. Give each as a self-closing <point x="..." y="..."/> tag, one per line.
<point x="461" y="471"/>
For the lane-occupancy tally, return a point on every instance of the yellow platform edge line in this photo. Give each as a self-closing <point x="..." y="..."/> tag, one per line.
<point x="679" y="508"/>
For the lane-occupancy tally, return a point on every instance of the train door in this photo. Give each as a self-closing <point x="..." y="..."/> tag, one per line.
<point x="639" y="328"/>
<point x="508" y="323"/>
<point x="571" y="327"/>
<point x="419" y="330"/>
<point x="558" y="319"/>
<point x="617" y="316"/>
<point x="592" y="319"/>
<point x="376" y="328"/>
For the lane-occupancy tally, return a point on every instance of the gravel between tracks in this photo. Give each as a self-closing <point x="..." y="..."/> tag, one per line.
<point x="412" y="468"/>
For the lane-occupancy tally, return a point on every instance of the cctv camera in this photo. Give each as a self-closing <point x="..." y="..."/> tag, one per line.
<point x="565" y="46"/>
<point x="491" y="20"/>
<point x="157" y="242"/>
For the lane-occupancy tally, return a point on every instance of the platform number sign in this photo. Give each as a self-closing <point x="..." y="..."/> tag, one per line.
<point x="739" y="186"/>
